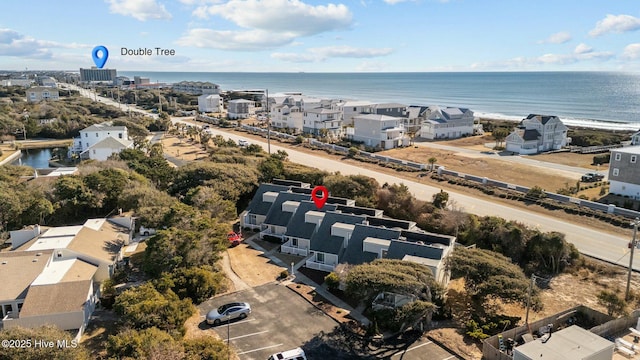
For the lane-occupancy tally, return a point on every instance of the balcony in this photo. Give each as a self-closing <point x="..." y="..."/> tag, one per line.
<point x="294" y="250"/>
<point x="319" y="266"/>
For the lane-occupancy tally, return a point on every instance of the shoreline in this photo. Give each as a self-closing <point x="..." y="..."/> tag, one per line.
<point x="600" y="126"/>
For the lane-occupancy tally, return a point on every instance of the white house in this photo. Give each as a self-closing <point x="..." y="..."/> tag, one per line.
<point x="39" y="93"/>
<point x="240" y="109"/>
<point x="210" y="103"/>
<point x="285" y="113"/>
<point x="196" y="87"/>
<point x="318" y="120"/>
<point x="538" y="133"/>
<point x="635" y="138"/>
<point x="386" y="132"/>
<point x="446" y="123"/>
<point x="624" y="172"/>
<point x="55" y="272"/>
<point x="99" y="141"/>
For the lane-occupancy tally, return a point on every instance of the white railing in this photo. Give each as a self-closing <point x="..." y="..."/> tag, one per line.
<point x="294" y="250"/>
<point x="319" y="266"/>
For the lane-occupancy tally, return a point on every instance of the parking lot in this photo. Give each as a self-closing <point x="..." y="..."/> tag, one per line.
<point x="281" y="320"/>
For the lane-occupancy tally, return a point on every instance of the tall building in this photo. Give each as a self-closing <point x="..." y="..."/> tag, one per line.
<point x="98" y="75"/>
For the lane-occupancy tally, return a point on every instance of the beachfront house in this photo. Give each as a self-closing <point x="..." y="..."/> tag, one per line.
<point x="285" y="113"/>
<point x="353" y="108"/>
<point x="39" y="93"/>
<point x="210" y="103"/>
<point x="624" y="172"/>
<point x="380" y="131"/>
<point x="322" y="122"/>
<point x="537" y="133"/>
<point x="196" y="87"/>
<point x="240" y="109"/>
<point x="99" y="141"/>
<point x="635" y="138"/>
<point x="446" y="123"/>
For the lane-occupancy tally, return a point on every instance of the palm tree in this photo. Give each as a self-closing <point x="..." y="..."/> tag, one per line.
<point x="432" y="161"/>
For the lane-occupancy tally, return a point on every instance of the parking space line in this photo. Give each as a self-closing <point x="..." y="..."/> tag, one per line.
<point x="413" y="348"/>
<point x="262" y="348"/>
<point x="450" y="357"/>
<point x="247" y="335"/>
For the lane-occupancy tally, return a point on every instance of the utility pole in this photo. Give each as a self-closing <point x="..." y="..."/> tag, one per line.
<point x="533" y="279"/>
<point x="632" y="246"/>
<point x="268" y="124"/>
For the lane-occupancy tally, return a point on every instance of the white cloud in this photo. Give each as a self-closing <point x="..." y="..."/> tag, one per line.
<point x="13" y="43"/>
<point x="249" y="40"/>
<point x="557" y="38"/>
<point x="139" y="9"/>
<point x="324" y="53"/>
<point x="282" y="16"/>
<point x="582" y="48"/>
<point x="615" y="24"/>
<point x="631" y="52"/>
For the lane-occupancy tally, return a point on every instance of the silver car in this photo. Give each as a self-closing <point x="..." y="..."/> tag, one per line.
<point x="228" y="312"/>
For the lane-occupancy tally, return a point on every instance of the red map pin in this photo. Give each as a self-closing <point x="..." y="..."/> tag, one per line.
<point x="319" y="201"/>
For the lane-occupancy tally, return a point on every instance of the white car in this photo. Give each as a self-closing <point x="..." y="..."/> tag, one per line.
<point x="147" y="231"/>
<point x="228" y="312"/>
<point x="243" y="143"/>
<point x="295" y="354"/>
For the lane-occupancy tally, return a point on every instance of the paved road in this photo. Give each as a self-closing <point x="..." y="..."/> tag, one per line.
<point x="571" y="171"/>
<point x="92" y="95"/>
<point x="590" y="242"/>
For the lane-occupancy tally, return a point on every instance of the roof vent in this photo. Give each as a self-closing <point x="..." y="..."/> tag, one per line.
<point x="34" y="260"/>
<point x="4" y="263"/>
<point x="39" y="254"/>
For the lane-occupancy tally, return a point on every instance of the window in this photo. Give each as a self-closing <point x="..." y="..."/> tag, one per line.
<point x="94" y="151"/>
<point x="633" y="159"/>
<point x="294" y="242"/>
<point x="96" y="134"/>
<point x="618" y="156"/>
<point x="616" y="172"/>
<point x="86" y="134"/>
<point x="320" y="257"/>
<point x="120" y="135"/>
<point x="87" y="144"/>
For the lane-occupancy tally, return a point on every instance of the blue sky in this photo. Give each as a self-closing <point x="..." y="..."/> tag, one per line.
<point x="322" y="36"/>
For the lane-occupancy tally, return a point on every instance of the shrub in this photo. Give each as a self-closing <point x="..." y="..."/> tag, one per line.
<point x="332" y="280"/>
<point x="284" y="274"/>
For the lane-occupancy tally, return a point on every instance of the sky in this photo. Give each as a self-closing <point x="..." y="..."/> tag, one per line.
<point x="322" y="36"/>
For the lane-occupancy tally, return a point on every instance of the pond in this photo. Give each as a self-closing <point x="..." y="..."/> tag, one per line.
<point x="36" y="158"/>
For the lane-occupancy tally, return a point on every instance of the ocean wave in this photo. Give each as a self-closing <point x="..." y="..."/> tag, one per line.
<point x="585" y="123"/>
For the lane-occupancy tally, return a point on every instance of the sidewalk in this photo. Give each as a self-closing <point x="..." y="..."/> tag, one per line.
<point x="298" y="277"/>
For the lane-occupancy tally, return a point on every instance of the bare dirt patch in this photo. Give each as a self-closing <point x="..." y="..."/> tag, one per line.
<point x="183" y="148"/>
<point x="453" y="339"/>
<point x="496" y="169"/>
<point x="252" y="266"/>
<point x="470" y="141"/>
<point x="571" y="159"/>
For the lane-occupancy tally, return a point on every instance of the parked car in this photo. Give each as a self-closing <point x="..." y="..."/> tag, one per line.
<point x="295" y="354"/>
<point x="147" y="231"/>
<point x="228" y="312"/>
<point x="234" y="238"/>
<point x="592" y="177"/>
<point x="243" y="143"/>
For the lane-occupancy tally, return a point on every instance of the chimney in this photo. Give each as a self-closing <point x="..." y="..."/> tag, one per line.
<point x="36" y="230"/>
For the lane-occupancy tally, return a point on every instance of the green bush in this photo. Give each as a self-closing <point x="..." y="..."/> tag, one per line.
<point x="284" y="274"/>
<point x="332" y="280"/>
<point x="601" y="159"/>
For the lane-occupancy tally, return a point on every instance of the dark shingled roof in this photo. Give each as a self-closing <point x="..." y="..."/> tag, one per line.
<point x="354" y="254"/>
<point x="357" y="210"/>
<point x="390" y="223"/>
<point x="300" y="229"/>
<point x="398" y="250"/>
<point x="286" y="182"/>
<point x="531" y="134"/>
<point x="542" y="118"/>
<point x="276" y="216"/>
<point x="259" y="207"/>
<point x="427" y="238"/>
<point x="323" y="241"/>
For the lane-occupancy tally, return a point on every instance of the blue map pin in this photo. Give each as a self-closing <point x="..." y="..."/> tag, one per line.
<point x="100" y="60"/>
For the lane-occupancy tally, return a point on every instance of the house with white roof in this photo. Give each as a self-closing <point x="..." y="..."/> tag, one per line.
<point x="210" y="103"/>
<point x="624" y="172"/>
<point x="538" y="133"/>
<point x="99" y="141"/>
<point x="318" y="121"/>
<point x="240" y="109"/>
<point x="55" y="272"/>
<point x="380" y="131"/>
<point x="446" y="123"/>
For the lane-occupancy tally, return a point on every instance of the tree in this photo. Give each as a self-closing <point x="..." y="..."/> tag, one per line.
<point x="432" y="161"/>
<point x="208" y="199"/>
<point x="359" y="187"/>
<point x="488" y="274"/>
<point x="440" y="199"/>
<point x="271" y="168"/>
<point x="144" y="307"/>
<point x="499" y="134"/>
<point x="197" y="283"/>
<point x="205" y="348"/>
<point x="141" y="344"/>
<point x="29" y="351"/>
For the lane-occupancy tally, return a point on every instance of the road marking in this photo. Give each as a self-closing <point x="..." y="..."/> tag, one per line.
<point x="413" y="348"/>
<point x="258" y="349"/>
<point x="247" y="335"/>
<point x="450" y="357"/>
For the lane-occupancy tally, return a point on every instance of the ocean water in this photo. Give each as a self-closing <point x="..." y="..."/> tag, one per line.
<point x="608" y="100"/>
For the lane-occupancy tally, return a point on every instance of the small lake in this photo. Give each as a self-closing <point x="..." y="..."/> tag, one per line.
<point x="36" y="158"/>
